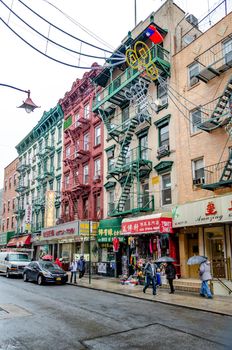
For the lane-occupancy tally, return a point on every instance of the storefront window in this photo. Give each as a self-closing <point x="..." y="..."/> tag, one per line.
<point x="215" y="250"/>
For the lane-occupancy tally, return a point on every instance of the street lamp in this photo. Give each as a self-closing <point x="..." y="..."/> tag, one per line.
<point x="28" y="104"/>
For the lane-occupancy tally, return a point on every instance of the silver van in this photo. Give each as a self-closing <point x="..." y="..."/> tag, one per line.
<point x="13" y="263"/>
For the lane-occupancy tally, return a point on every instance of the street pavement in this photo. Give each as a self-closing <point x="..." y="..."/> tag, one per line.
<point x="68" y="318"/>
<point x="219" y="304"/>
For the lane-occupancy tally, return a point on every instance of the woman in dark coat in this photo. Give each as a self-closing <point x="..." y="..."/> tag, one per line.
<point x="170" y="271"/>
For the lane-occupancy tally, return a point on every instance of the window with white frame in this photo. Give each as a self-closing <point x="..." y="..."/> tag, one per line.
<point x="162" y="94"/>
<point x="97" y="138"/>
<point x="227" y="51"/>
<point x="166" y="189"/>
<point x="59" y="133"/>
<point x="86" y="142"/>
<point x="97" y="169"/>
<point x="86" y="111"/>
<point x="77" y="146"/>
<point x="125" y="116"/>
<point x="143" y="144"/>
<point x="86" y="174"/>
<point x="198" y="171"/>
<point x="196" y="119"/>
<point x="193" y="70"/>
<point x="77" y="116"/>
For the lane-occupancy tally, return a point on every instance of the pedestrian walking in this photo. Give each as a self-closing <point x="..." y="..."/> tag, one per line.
<point x="205" y="276"/>
<point x="170" y="272"/>
<point x="81" y="266"/>
<point x="150" y="273"/>
<point x="73" y="269"/>
<point x="58" y="262"/>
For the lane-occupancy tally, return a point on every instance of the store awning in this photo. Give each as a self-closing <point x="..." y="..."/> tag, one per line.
<point x="147" y="224"/>
<point x="108" y="229"/>
<point x="19" y="241"/>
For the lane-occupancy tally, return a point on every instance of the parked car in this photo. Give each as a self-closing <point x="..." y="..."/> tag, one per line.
<point x="13" y="263"/>
<point x="44" y="272"/>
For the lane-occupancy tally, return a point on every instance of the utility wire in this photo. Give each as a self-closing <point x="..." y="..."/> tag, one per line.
<point x="54" y="42"/>
<point x="96" y="37"/>
<point x="63" y="31"/>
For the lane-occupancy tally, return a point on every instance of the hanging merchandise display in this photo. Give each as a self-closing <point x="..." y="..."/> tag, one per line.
<point x="115" y="242"/>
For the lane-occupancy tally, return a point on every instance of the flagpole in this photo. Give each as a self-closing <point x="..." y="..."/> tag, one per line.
<point x="135" y="12"/>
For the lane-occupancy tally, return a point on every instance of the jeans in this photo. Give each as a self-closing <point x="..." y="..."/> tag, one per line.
<point x="150" y="279"/>
<point x="205" y="290"/>
<point x="73" y="274"/>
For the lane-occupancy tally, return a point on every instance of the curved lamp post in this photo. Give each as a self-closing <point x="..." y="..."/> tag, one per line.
<point x="28" y="104"/>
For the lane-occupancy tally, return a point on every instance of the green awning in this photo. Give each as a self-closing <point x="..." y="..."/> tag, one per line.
<point x="5" y="237"/>
<point x="108" y="229"/>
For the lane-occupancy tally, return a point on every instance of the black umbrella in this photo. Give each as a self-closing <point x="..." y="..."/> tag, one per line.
<point x="196" y="260"/>
<point x="164" y="259"/>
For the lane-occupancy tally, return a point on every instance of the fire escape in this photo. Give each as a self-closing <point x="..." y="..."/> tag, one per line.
<point x="132" y="164"/>
<point x="212" y="63"/>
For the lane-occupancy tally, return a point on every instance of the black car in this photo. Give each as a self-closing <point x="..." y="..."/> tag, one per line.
<point x="44" y="271"/>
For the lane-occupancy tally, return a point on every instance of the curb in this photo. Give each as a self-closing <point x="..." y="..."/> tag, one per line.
<point x="151" y="300"/>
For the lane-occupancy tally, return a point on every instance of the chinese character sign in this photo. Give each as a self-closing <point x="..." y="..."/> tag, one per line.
<point x="49" y="208"/>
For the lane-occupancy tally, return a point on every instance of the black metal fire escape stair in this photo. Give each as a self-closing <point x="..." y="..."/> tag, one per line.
<point x="227" y="172"/>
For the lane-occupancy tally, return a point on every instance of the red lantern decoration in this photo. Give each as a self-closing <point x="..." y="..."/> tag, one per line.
<point x="115" y="241"/>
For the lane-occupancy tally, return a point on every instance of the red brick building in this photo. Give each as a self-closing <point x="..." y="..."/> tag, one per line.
<point x="82" y="192"/>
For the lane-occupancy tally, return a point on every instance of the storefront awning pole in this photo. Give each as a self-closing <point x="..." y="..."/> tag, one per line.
<point x="90" y="226"/>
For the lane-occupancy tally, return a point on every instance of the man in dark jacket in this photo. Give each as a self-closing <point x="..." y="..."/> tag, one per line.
<point x="81" y="266"/>
<point x="150" y="272"/>
<point x="171" y="275"/>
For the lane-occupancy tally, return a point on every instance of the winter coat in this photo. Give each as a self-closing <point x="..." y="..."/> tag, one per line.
<point x="204" y="272"/>
<point x="81" y="265"/>
<point x="170" y="272"/>
<point x="148" y="270"/>
<point x="73" y="266"/>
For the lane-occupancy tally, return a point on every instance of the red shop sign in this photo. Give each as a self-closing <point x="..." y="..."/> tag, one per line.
<point x="162" y="225"/>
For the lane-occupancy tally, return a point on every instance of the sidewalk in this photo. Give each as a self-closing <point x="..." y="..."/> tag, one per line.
<point x="219" y="304"/>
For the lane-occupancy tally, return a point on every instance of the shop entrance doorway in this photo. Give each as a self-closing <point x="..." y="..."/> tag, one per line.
<point x="218" y="258"/>
<point x="193" y="249"/>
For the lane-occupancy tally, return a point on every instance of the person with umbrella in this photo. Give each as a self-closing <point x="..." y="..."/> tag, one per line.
<point x="170" y="272"/>
<point x="205" y="276"/>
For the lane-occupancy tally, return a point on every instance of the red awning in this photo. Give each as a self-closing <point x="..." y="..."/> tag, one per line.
<point x="156" y="223"/>
<point x="19" y="241"/>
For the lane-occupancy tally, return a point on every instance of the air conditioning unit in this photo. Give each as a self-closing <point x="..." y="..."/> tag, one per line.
<point x="193" y="81"/>
<point x="199" y="181"/>
<point x="162" y="150"/>
<point x="192" y="20"/>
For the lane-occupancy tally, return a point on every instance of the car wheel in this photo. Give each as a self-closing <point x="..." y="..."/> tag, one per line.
<point x="7" y="274"/>
<point x="25" y="279"/>
<point x="40" y="280"/>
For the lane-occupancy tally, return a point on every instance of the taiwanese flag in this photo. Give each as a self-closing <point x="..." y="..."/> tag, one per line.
<point x="153" y="34"/>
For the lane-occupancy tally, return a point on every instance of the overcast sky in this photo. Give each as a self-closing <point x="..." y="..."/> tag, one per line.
<point x="48" y="81"/>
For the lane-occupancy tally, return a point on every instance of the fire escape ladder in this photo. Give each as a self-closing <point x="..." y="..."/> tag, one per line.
<point x="126" y="143"/>
<point x="227" y="172"/>
<point x="126" y="187"/>
<point x="111" y="131"/>
<point x="223" y="100"/>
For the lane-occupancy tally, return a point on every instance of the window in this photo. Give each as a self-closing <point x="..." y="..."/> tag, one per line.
<point x="125" y="116"/>
<point x="59" y="133"/>
<point x="86" y="142"/>
<point x="7" y="223"/>
<point x="52" y="164"/>
<point x="39" y="169"/>
<point x="143" y="144"/>
<point x="198" y="171"/>
<point x="12" y="222"/>
<point x="66" y="181"/>
<point x="59" y="159"/>
<point x="97" y="138"/>
<point x="15" y="179"/>
<point x="58" y="185"/>
<point x="57" y="212"/>
<point x="144" y="200"/>
<point x="166" y="189"/>
<point x="8" y="205"/>
<point x="195" y="117"/>
<point x="77" y="147"/>
<point x="13" y="203"/>
<point x="128" y="155"/>
<point x="5" y="185"/>
<point x="110" y="201"/>
<point x="227" y="51"/>
<point x="40" y="146"/>
<point x="85" y="208"/>
<point x="193" y="70"/>
<point x="97" y="206"/>
<point x="4" y="208"/>
<point x="86" y="111"/>
<point x="10" y="183"/>
<point x="67" y="151"/>
<point x="164" y="135"/>
<point x="86" y="174"/>
<point x="97" y="169"/>
<point x="76" y="119"/>
<point x="162" y="94"/>
<point x="51" y="185"/>
<point x="110" y="158"/>
<point x="52" y="138"/>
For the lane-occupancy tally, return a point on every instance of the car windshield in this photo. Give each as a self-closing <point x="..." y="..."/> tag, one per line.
<point x="46" y="265"/>
<point x="18" y="257"/>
